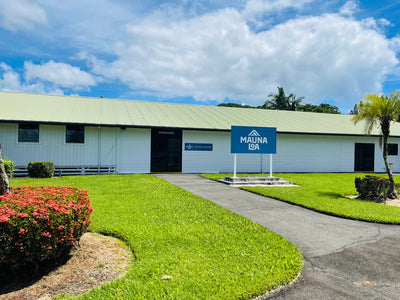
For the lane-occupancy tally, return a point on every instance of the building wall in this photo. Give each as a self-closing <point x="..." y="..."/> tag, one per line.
<point x="295" y="153"/>
<point x="130" y="151"/>
<point x="98" y="148"/>
<point x="134" y="150"/>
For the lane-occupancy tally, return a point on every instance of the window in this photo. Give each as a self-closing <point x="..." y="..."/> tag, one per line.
<point x="74" y="134"/>
<point x="28" y="133"/>
<point x="393" y="149"/>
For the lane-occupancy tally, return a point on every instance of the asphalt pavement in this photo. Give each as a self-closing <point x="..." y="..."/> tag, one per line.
<point x="343" y="259"/>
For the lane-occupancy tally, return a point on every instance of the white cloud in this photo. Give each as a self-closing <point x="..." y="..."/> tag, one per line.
<point x="86" y="24"/>
<point x="21" y="14"/>
<point x="11" y="81"/>
<point x="349" y="8"/>
<point x="255" y="9"/>
<point x="59" y="74"/>
<point x="375" y="24"/>
<point x="216" y="56"/>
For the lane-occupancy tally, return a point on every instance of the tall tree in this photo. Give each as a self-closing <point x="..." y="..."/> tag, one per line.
<point x="380" y="110"/>
<point x="4" y="185"/>
<point x="280" y="101"/>
<point x="294" y="102"/>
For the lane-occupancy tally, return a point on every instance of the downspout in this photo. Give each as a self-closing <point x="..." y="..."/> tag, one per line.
<point x="99" y="140"/>
<point x="98" y="149"/>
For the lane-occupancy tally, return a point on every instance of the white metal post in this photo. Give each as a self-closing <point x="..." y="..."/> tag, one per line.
<point x="234" y="165"/>
<point x="270" y="165"/>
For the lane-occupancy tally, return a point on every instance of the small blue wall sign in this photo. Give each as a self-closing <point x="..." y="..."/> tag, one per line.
<point x="198" y="147"/>
<point x="246" y="139"/>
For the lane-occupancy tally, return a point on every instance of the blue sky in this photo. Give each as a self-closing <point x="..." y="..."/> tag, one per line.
<point x="201" y="51"/>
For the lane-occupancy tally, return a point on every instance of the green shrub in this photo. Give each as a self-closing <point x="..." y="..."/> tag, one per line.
<point x="41" y="223"/>
<point x="373" y="188"/>
<point x="9" y="166"/>
<point x="40" y="169"/>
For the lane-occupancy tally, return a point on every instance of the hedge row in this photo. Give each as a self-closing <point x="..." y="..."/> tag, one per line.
<point x="36" y="169"/>
<point x="40" y="223"/>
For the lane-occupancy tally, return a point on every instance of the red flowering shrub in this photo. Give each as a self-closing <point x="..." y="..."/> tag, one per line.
<point x="41" y="223"/>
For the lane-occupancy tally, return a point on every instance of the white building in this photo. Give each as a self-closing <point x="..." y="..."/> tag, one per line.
<point x="125" y="136"/>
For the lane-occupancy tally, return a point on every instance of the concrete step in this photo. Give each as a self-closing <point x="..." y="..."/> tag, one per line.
<point x="255" y="181"/>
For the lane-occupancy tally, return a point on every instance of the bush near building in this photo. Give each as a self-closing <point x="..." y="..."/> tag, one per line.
<point x="9" y="166"/>
<point x="373" y="188"/>
<point x="41" y="169"/>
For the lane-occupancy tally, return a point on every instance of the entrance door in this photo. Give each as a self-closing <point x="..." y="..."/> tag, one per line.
<point x="166" y="150"/>
<point x="364" y="157"/>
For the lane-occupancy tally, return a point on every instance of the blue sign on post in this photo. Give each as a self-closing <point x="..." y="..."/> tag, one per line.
<point x="245" y="139"/>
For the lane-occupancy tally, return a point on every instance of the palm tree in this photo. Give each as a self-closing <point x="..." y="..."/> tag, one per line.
<point x="4" y="185"/>
<point x="282" y="102"/>
<point x="277" y="101"/>
<point x="293" y="102"/>
<point x="380" y="110"/>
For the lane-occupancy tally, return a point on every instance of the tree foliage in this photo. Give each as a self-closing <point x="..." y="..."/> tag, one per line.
<point x="379" y="111"/>
<point x="280" y="101"/>
<point x="235" y="105"/>
<point x="321" y="108"/>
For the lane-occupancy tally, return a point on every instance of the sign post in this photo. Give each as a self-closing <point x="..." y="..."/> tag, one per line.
<point x="270" y="165"/>
<point x="245" y="139"/>
<point x="234" y="165"/>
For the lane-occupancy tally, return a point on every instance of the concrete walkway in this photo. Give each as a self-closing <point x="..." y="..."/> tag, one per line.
<point x="343" y="259"/>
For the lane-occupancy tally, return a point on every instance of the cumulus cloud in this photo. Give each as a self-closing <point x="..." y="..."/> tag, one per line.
<point x="202" y="49"/>
<point x="86" y="24"/>
<point x="257" y="8"/>
<point x="349" y="8"/>
<point x="11" y="81"/>
<point x="21" y="14"/>
<point x="59" y="74"/>
<point x="217" y="56"/>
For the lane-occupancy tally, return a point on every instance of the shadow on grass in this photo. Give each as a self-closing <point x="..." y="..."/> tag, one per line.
<point x="330" y="195"/>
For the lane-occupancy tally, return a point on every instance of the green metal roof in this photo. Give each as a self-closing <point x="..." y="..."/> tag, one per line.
<point x="17" y="107"/>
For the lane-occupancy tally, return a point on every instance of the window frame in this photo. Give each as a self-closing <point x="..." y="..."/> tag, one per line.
<point x="393" y="149"/>
<point x="74" y="134"/>
<point x="28" y="135"/>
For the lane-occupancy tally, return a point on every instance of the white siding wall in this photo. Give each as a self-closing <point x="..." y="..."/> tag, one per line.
<point x="130" y="151"/>
<point x="52" y="146"/>
<point x="393" y="159"/>
<point x="313" y="153"/>
<point x="295" y="153"/>
<point x="135" y="148"/>
<point x="218" y="160"/>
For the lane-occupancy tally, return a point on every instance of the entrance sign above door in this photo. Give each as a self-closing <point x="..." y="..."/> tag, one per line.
<point x="246" y="139"/>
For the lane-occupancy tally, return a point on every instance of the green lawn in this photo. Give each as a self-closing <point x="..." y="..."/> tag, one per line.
<point x="324" y="192"/>
<point x="210" y="252"/>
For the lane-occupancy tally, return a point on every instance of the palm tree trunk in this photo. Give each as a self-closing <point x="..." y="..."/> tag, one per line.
<point x="4" y="185"/>
<point x="392" y="192"/>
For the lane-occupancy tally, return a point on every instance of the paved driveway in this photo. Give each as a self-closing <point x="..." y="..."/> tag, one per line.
<point x="343" y="259"/>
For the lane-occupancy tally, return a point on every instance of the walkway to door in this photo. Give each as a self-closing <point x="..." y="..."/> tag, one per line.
<point x="343" y="259"/>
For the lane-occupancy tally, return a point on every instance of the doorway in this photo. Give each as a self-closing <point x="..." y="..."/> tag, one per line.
<point x="364" y="155"/>
<point x="166" y="150"/>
